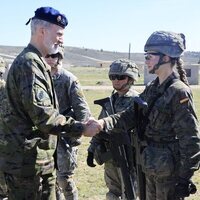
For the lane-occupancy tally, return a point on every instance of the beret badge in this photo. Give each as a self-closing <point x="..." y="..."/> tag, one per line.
<point x="59" y="18"/>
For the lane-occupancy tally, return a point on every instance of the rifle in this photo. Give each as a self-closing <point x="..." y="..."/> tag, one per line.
<point x="121" y="150"/>
<point x="139" y="105"/>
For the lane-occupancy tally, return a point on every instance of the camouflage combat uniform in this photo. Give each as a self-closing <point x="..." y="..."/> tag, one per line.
<point x="28" y="131"/>
<point x="3" y="106"/>
<point x="71" y="102"/>
<point x="4" y="68"/>
<point x="112" y="173"/>
<point x="3" y="102"/>
<point x="172" y="137"/>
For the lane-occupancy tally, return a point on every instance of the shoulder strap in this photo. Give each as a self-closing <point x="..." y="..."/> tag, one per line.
<point x="158" y="96"/>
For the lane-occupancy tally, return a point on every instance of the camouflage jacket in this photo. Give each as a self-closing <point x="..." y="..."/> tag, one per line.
<point x="3" y="100"/>
<point x="71" y="102"/>
<point x="172" y="118"/>
<point x="120" y="103"/>
<point x="32" y="115"/>
<point x="70" y="96"/>
<point x="71" y="99"/>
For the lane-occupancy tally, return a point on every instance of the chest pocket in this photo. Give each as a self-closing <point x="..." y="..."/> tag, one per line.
<point x="161" y="114"/>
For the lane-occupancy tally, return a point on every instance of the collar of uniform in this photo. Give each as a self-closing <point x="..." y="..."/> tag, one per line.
<point x="56" y="76"/>
<point x="131" y="92"/>
<point x="161" y="87"/>
<point x="58" y="73"/>
<point x="34" y="49"/>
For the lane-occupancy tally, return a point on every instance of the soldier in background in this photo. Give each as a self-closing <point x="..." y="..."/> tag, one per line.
<point x="71" y="102"/>
<point x="123" y="73"/>
<point x="171" y="154"/>
<point x="28" y="132"/>
<point x="3" y="109"/>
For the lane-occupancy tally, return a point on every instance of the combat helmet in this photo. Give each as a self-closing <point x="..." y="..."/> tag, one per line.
<point x="124" y="67"/>
<point x="168" y="43"/>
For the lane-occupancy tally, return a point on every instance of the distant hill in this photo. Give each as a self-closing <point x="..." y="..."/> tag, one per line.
<point x="75" y="56"/>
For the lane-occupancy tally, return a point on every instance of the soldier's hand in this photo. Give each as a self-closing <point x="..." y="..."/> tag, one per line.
<point x="99" y="122"/>
<point x="184" y="188"/>
<point x="92" y="127"/>
<point x="90" y="159"/>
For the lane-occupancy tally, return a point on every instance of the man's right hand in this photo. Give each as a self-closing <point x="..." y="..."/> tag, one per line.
<point x="90" y="159"/>
<point x="92" y="127"/>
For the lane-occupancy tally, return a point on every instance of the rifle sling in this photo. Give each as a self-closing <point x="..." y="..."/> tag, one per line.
<point x="157" y="97"/>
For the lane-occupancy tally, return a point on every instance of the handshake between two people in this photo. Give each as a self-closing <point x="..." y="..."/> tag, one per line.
<point x="92" y="127"/>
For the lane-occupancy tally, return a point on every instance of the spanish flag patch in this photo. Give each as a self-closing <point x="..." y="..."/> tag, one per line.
<point x="184" y="100"/>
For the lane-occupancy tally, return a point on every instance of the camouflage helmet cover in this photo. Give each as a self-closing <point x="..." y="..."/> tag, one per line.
<point x="124" y="67"/>
<point x="168" y="43"/>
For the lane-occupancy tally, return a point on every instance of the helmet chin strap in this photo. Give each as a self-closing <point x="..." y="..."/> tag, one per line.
<point x="160" y="62"/>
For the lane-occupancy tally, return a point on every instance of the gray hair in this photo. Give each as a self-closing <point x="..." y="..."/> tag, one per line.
<point x="38" y="22"/>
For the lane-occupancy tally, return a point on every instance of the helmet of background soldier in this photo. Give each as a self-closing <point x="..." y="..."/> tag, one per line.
<point x="3" y="66"/>
<point x="168" y="43"/>
<point x="124" y="67"/>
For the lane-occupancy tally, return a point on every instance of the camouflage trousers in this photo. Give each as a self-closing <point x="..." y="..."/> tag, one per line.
<point x="67" y="189"/>
<point x="114" y="182"/>
<point x="3" y="186"/>
<point x="35" y="187"/>
<point x="160" y="188"/>
<point x="66" y="162"/>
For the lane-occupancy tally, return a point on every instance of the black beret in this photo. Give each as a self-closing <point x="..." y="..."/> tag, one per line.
<point x="51" y="15"/>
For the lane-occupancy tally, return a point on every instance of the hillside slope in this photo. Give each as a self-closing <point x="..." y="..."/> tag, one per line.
<point x="75" y="56"/>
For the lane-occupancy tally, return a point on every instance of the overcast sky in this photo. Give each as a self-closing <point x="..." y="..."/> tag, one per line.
<point x="106" y="24"/>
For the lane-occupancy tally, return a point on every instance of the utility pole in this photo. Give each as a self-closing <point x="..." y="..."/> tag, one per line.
<point x="129" y="51"/>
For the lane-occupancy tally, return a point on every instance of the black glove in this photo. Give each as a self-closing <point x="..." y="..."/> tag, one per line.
<point x="90" y="159"/>
<point x="73" y="142"/>
<point x="184" y="188"/>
